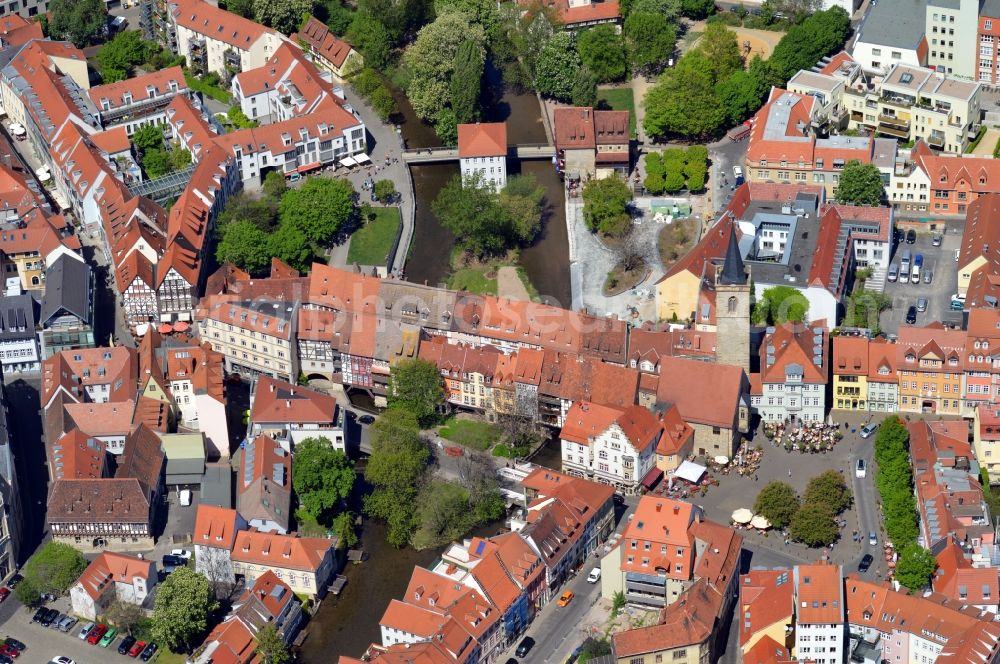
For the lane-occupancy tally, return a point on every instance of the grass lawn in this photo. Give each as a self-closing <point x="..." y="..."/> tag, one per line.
<point x="473" y="280"/>
<point x="213" y="91"/>
<point x="371" y="243"/>
<point x="619" y="99"/>
<point x="307" y="525"/>
<point x="470" y="433"/>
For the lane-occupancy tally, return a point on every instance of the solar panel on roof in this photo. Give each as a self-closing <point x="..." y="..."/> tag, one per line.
<point x="480" y="547"/>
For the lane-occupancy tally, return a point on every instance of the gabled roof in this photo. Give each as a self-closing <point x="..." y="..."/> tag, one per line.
<point x="205" y="19"/>
<point x="76" y="455"/>
<point x="766" y="598"/>
<point x="137" y="87"/>
<point x="486" y="139"/>
<point x="143" y="459"/>
<point x="67" y="290"/>
<point x="109" y="568"/>
<point x="264" y="483"/>
<point x="713" y="399"/>
<point x="791" y="349"/>
<point x="215" y="526"/>
<point x="282" y="551"/>
<point x="819" y="594"/>
<point x="275" y="401"/>
<point x="323" y="43"/>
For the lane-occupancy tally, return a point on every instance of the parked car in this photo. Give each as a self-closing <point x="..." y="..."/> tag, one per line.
<point x="126" y="645"/>
<point x="185" y="497"/>
<point x="49" y="617"/>
<point x="911" y="236"/>
<point x="171" y="560"/>
<point x="928" y="276"/>
<point x="861" y="470"/>
<point x="525" y="646"/>
<point x="14" y="580"/>
<point x="911" y="315"/>
<point x="566" y="598"/>
<point x="96" y="633"/>
<point x="511" y="660"/>
<point x="40" y="614"/>
<point x="57" y="618"/>
<point x="136" y="648"/>
<point x="108" y="637"/>
<point x="366" y="419"/>
<point x="4" y="594"/>
<point x="865" y="563"/>
<point x="13" y="653"/>
<point x="936" y="240"/>
<point x="872" y="539"/>
<point x="868" y="429"/>
<point x="62" y="659"/>
<point x="921" y="304"/>
<point x="956" y="305"/>
<point x="68" y="623"/>
<point x="893" y="272"/>
<point x="14" y="643"/>
<point x="594" y="576"/>
<point x="181" y="553"/>
<point x="5" y="659"/>
<point x="85" y="630"/>
<point x="119" y="23"/>
<point x="148" y="652"/>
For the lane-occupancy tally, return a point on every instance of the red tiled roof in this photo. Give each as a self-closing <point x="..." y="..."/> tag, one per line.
<point x="108" y="568"/>
<point x="205" y="19"/>
<point x="283" y="551"/>
<point x="574" y="128"/>
<point x="137" y="87"/>
<point x="323" y="43"/>
<point x="215" y="526"/>
<point x="482" y="139"/>
<point x="766" y="597"/>
<point x="794" y="344"/>
<point x="277" y="401"/>
<point x="819" y="594"/>
<point x="713" y="399"/>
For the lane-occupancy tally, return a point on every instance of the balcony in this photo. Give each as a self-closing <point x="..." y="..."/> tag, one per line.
<point x="232" y="59"/>
<point x="893" y="121"/>
<point x="936" y="139"/>
<point x="898" y="99"/>
<point x="894" y="132"/>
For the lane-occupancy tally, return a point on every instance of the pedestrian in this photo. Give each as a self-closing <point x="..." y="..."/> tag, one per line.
<point x="789" y="472"/>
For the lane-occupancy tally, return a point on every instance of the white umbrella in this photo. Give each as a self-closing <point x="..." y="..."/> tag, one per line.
<point x="742" y="515"/>
<point x="722" y="460"/>
<point x="760" y="522"/>
<point x="17" y="129"/>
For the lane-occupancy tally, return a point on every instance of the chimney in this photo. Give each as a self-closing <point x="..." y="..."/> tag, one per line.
<point x="659" y="506"/>
<point x="272" y="387"/>
<point x="288" y="403"/>
<point x="677" y="509"/>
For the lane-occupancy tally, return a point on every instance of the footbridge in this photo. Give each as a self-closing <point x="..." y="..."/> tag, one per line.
<point x="442" y="155"/>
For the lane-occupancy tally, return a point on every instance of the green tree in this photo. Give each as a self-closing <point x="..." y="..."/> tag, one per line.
<point x="117" y="58"/>
<point x="291" y="245"/>
<point x="430" y="61"/>
<point x="383" y="103"/>
<point x="321" y="476"/>
<point x="471" y="210"/>
<point x="262" y="212"/>
<point x="370" y="37"/>
<point x="521" y="200"/>
<point x="242" y="7"/>
<point x="720" y="48"/>
<point x="650" y="40"/>
<point x="829" y="488"/>
<point x="781" y="304"/>
<point x="894" y="481"/>
<point x="399" y="17"/>
<point x="684" y="102"/>
<point x="271" y="646"/>
<point x="697" y="9"/>
<point x="54" y="568"/>
<point x="156" y="163"/>
<point x="27" y="593"/>
<point x="395" y="469"/>
<point x="860" y="184"/>
<point x="244" y="245"/>
<point x="480" y="12"/>
<point x="123" y="615"/>
<point x="343" y="529"/>
<point x="274" y="185"/>
<point x="442" y="514"/>
<point x="556" y="67"/>
<point x="813" y="525"/>
<point x="385" y="190"/>
<point x="778" y="502"/>
<point x="915" y="567"/>
<point x="80" y="21"/>
<point x="605" y="205"/>
<point x="466" y="81"/>
<point x="183" y="604"/>
<point x="239" y="119"/>
<point x="178" y="159"/>
<point x="148" y="137"/>
<point x="282" y="15"/>
<point x="804" y="44"/>
<point x="319" y="208"/>
<point x="585" y="87"/>
<point x="668" y="9"/>
<point x="416" y="386"/>
<point x="741" y="93"/>
<point x="602" y="51"/>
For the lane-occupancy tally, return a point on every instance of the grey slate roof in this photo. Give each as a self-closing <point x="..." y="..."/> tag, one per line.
<point x="896" y="23"/>
<point x="17" y="317"/>
<point x="67" y="287"/>
<point x="733" y="271"/>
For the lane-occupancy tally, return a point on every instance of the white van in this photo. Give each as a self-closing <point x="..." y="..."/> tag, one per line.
<point x="915" y="274"/>
<point x="185" y="497"/>
<point x="893" y="272"/>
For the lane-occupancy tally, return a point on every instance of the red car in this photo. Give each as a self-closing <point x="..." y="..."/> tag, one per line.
<point x="136" y="649"/>
<point x="97" y="634"/>
<point x="4" y="594"/>
<point x="13" y="653"/>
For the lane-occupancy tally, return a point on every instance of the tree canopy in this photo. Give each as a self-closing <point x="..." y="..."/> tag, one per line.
<point x="650" y="39"/>
<point x="605" y="205"/>
<point x="321" y="476"/>
<point x="371" y="38"/>
<point x="282" y="15"/>
<point x="466" y="81"/>
<point x="829" y="489"/>
<point x="148" y="137"/>
<point x="813" y="525"/>
<point x="430" y="61"/>
<point x="915" y="567"/>
<point x="245" y="245"/>
<point x="416" y="386"/>
<point x="805" y="43"/>
<point x="271" y="646"/>
<point x="778" y="502"/>
<point x="318" y="209"/>
<point x="183" y="605"/>
<point x="860" y="184"/>
<point x="602" y="51"/>
<point x="683" y="102"/>
<point x="53" y="569"/>
<point x="126" y="50"/>
<point x="521" y="200"/>
<point x="781" y="304"/>
<point x="556" y="67"/>
<point x="79" y="21"/>
<point x="395" y="469"/>
<point x="894" y="481"/>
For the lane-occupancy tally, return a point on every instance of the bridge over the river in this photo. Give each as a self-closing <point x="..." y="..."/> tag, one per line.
<point x="440" y="155"/>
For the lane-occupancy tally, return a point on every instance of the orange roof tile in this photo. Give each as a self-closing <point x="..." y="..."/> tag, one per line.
<point x="215" y="526"/>
<point x="486" y="139"/>
<point x="766" y="597"/>
<point x="819" y="594"/>
<point x="205" y="19"/>
<point x="109" y="567"/>
<point x="712" y="400"/>
<point x="277" y="401"/>
<point x="323" y="43"/>
<point x="283" y="551"/>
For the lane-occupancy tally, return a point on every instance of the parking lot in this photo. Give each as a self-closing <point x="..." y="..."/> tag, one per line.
<point x="939" y="260"/>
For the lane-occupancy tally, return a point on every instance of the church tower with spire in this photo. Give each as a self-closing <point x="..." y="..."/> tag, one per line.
<point x="732" y="308"/>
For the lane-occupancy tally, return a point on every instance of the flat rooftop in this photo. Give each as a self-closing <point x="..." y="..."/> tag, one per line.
<point x="898" y="23"/>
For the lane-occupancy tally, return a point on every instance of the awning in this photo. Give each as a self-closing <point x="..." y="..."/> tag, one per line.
<point x="652" y="478"/>
<point x="165" y="328"/>
<point x="181" y="326"/>
<point x="362" y="158"/>
<point x="348" y="161"/>
<point x="689" y="471"/>
<point x="308" y="167"/>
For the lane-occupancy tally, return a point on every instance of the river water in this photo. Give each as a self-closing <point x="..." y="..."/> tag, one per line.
<point x="547" y="260"/>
